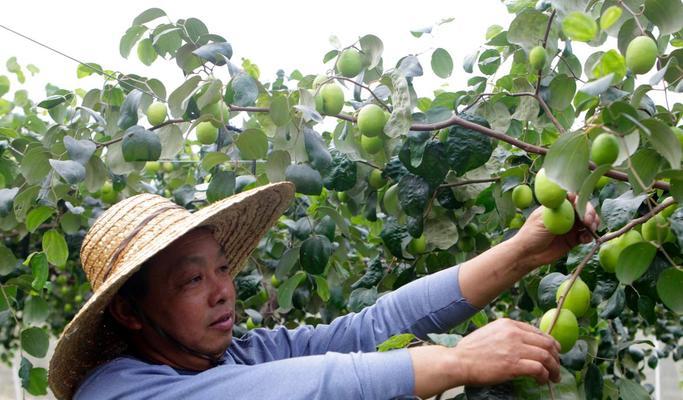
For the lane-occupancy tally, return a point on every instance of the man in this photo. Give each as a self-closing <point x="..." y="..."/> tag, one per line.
<point x="164" y="277"/>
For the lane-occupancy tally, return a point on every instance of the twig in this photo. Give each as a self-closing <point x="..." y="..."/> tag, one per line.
<point x="635" y="16"/>
<point x="609" y="236"/>
<point x="463" y="183"/>
<point x="382" y="103"/>
<point x="545" y="43"/>
<point x="549" y="113"/>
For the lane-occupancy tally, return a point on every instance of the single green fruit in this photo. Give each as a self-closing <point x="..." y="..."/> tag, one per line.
<point x="376" y="180"/>
<point x="605" y="149"/>
<point x="537" y="58"/>
<point x="206" y="132"/>
<point x="152" y="166"/>
<point x="547" y="192"/>
<point x="219" y="111"/>
<point x="667" y="212"/>
<point x="168" y="166"/>
<point x="602" y="182"/>
<point x="578" y="299"/>
<point x="417" y="246"/>
<point x="350" y="63"/>
<point x="371" y="120"/>
<point x="517" y="221"/>
<point x="274" y="281"/>
<point x="108" y="194"/>
<point x="559" y="220"/>
<point x="566" y="329"/>
<point x="156" y="113"/>
<point x="471" y="229"/>
<point x="342" y="197"/>
<point x="443" y="135"/>
<point x="251" y="324"/>
<point x="522" y="196"/>
<point x="319" y="80"/>
<point x="330" y="99"/>
<point x="641" y="54"/>
<point x="372" y="145"/>
<point x="78" y="298"/>
<point x="62" y="279"/>
<point x="68" y="308"/>
<point x="656" y="229"/>
<point x="391" y="203"/>
<point x="609" y="252"/>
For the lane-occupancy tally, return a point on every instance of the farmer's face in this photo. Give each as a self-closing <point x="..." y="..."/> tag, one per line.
<point x="191" y="294"/>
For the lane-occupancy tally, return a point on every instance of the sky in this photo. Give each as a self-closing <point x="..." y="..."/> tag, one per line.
<point x="275" y="35"/>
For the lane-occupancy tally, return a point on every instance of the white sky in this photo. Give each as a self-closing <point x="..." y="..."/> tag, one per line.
<point x="273" y="34"/>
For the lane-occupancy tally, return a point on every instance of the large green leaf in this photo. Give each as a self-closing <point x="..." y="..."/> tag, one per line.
<point x="243" y="90"/>
<point x="528" y="29"/>
<point x="79" y="150"/>
<point x="35" y="165"/>
<point x="71" y="171"/>
<point x="666" y="14"/>
<point x="630" y="390"/>
<point x="128" y="115"/>
<point x="401" y="118"/>
<point x="39" y="269"/>
<point x="132" y="35"/>
<point x="669" y="284"/>
<point x="579" y="26"/>
<point x="467" y="149"/>
<point x="341" y="173"/>
<point x="37" y="216"/>
<point x="442" y="63"/>
<point x="286" y="290"/>
<point x="179" y="98"/>
<point x="221" y="186"/>
<point x="149" y="15"/>
<point x="216" y="53"/>
<point x="35" y="341"/>
<point x="634" y="261"/>
<point x="8" y="262"/>
<point x="619" y="211"/>
<point x="306" y="179"/>
<point x="55" y="248"/>
<point x="663" y="140"/>
<point x="567" y="161"/>
<point x="253" y="144"/>
<point x="316" y="148"/>
<point x="414" y="194"/>
<point x="373" y="48"/>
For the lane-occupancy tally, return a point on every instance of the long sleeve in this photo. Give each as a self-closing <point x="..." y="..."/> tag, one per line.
<point x="330" y="376"/>
<point x="432" y="304"/>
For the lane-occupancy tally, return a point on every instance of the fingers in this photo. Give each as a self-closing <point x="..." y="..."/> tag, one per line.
<point x="532" y="369"/>
<point x="550" y="364"/>
<point x="536" y="337"/>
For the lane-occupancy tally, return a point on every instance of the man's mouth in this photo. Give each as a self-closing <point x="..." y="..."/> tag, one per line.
<point x="224" y="322"/>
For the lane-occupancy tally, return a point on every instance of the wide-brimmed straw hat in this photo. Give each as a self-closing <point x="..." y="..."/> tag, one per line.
<point x="130" y="233"/>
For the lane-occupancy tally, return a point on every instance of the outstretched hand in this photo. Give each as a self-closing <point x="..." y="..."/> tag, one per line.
<point x="543" y="247"/>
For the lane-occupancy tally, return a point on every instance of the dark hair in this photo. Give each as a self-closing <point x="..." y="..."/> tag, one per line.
<point x="136" y="286"/>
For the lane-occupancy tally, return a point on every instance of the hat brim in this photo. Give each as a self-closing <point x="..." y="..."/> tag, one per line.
<point x="90" y="339"/>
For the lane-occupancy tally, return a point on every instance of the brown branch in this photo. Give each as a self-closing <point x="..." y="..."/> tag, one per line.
<point x="609" y="236"/>
<point x="382" y="103"/>
<point x="545" y="43"/>
<point x="635" y="16"/>
<point x="549" y="113"/>
<point x="469" y="182"/>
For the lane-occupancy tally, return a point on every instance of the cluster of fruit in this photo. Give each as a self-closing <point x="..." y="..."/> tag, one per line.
<point x="576" y="304"/>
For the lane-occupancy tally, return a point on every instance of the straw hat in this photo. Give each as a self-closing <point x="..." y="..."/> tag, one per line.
<point x="130" y="233"/>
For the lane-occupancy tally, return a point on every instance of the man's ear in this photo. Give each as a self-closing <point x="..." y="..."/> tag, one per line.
<point x="122" y="311"/>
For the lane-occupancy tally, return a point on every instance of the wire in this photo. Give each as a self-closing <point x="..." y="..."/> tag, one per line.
<point x="99" y="71"/>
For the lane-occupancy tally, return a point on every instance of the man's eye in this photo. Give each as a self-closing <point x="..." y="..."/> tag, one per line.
<point x="195" y="279"/>
<point x="224" y="268"/>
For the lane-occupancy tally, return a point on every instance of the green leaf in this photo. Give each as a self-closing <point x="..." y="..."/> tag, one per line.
<point x="221" y="186"/>
<point x="35" y="341"/>
<point x="399" y="341"/>
<point x="37" y="216"/>
<point x="149" y="15"/>
<point x="244" y="90"/>
<point x="341" y="174"/>
<point x="279" y="110"/>
<point x="85" y="70"/>
<point x="140" y="144"/>
<point x="35" y="165"/>
<point x="215" y="53"/>
<point x="315" y="253"/>
<point x="177" y="101"/>
<point x="79" y="150"/>
<point x="567" y="161"/>
<point x="395" y="237"/>
<point x="128" y="115"/>
<point x="611" y="62"/>
<point x="71" y="171"/>
<point x="467" y="149"/>
<point x="528" y="29"/>
<point x="213" y="158"/>
<point x="468" y="62"/>
<point x="373" y="48"/>
<point x="562" y="89"/>
<point x="663" y="140"/>
<point x="598" y="86"/>
<point x="579" y="26"/>
<point x="35" y="310"/>
<point x="587" y="188"/>
<point x="593" y="381"/>
<point x="146" y="52"/>
<point x="424" y="157"/>
<point x="4" y="85"/>
<point x="7" y="200"/>
<point x="669" y="284"/>
<point x="489" y="61"/>
<point x="645" y="164"/>
<point x="610" y="16"/>
<point x="414" y="194"/>
<point x="401" y="117"/>
<point x="361" y="298"/>
<point x="631" y="390"/>
<point x="172" y="141"/>
<point x="252" y="144"/>
<point x="316" y="148"/>
<point x="442" y="63"/>
<point x="128" y="40"/>
<point x="618" y="212"/>
<point x="666" y="14"/>
<point x="445" y="339"/>
<point x="37" y="382"/>
<point x="322" y="288"/>
<point x="286" y="290"/>
<point x="306" y="179"/>
<point x="277" y="163"/>
<point x="634" y="261"/>
<point x="441" y="233"/>
<point x="55" y="247"/>
<point x="547" y="289"/>
<point x="54" y="101"/>
<point x="8" y="262"/>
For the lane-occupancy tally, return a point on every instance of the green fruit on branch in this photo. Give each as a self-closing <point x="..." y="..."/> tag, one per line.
<point x="605" y="149"/>
<point x="602" y="182"/>
<point x="108" y="194"/>
<point x="342" y="197"/>
<point x="467" y="244"/>
<point x="559" y="220"/>
<point x="517" y="221"/>
<point x="522" y="196"/>
<point x="609" y="252"/>
<point x="537" y="58"/>
<point x="152" y="166"/>
<point x="417" y="246"/>
<point x="274" y="281"/>
<point x="566" y="329"/>
<point x="251" y="324"/>
<point x="667" y="212"/>
<point x="547" y="192"/>
<point x="656" y="229"/>
<point x="578" y="299"/>
<point x="376" y="180"/>
<point x="372" y="145"/>
<point x="391" y="203"/>
<point x="206" y="132"/>
<point x="330" y="99"/>
<point x="641" y="54"/>
<point x="371" y="120"/>
<point x="350" y="63"/>
<point x="156" y="113"/>
<point x="219" y="111"/>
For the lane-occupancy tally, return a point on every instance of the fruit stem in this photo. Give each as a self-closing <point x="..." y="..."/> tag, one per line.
<point x="342" y="78"/>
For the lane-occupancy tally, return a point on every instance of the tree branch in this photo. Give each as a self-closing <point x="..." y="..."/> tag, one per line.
<point x="545" y="43"/>
<point x="609" y="236"/>
<point x="382" y="103"/>
<point x="469" y="182"/>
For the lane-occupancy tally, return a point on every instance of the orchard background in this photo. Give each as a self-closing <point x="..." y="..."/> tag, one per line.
<point x="432" y="189"/>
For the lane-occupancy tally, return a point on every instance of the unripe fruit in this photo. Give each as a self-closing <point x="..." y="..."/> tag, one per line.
<point x="350" y="63"/>
<point x="206" y="132"/>
<point x="667" y="212"/>
<point x="372" y="145"/>
<point x="566" y="329"/>
<point x="417" y="245"/>
<point x="537" y="57"/>
<point x="330" y="99"/>
<point x="108" y="194"/>
<point x="578" y="299"/>
<point x="371" y="120"/>
<point x="602" y="182"/>
<point x="559" y="220"/>
<point x="153" y="166"/>
<point x="376" y="180"/>
<point x="274" y="281"/>
<point x="517" y="221"/>
<point x="609" y="252"/>
<point x="219" y="111"/>
<point x="391" y="203"/>
<point x="168" y="166"/>
<point x="605" y="149"/>
<point x="156" y="113"/>
<point x="342" y="197"/>
<point x="522" y="196"/>
<point x="656" y="229"/>
<point x="641" y="54"/>
<point x="547" y="192"/>
<point x="467" y="244"/>
<point x="251" y="324"/>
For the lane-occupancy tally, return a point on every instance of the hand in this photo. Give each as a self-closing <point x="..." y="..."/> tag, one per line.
<point x="506" y="349"/>
<point x="542" y="247"/>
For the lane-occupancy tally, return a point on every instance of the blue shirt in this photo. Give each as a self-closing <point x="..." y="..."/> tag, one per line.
<point x="335" y="361"/>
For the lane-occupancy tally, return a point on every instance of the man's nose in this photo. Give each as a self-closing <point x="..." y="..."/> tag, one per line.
<point x="222" y="290"/>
